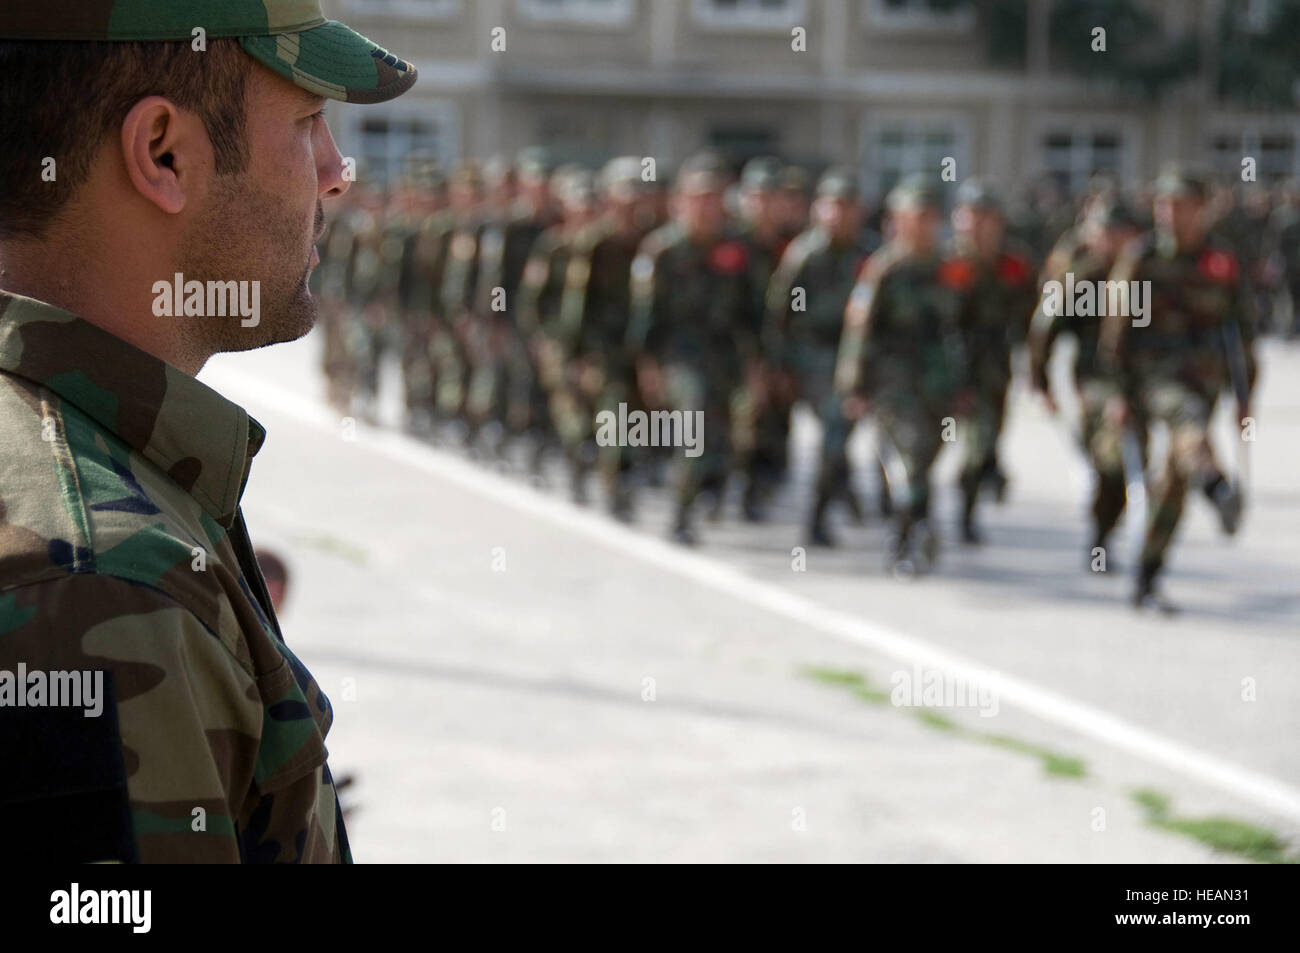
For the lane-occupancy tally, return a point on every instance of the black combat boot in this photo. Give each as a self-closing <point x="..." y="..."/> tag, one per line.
<point x="1226" y="501"/>
<point x="819" y="534"/>
<point x="1146" y="595"/>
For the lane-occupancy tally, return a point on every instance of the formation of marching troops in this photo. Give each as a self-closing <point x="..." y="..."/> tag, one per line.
<point x="523" y="300"/>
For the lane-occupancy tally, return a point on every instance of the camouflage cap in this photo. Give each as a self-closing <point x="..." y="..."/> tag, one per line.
<point x="838" y="182"/>
<point x="573" y="184"/>
<point x="289" y="37"/>
<point x="794" y="178"/>
<point x="1177" y="180"/>
<point x="1114" y="214"/>
<point x="424" y="173"/>
<point x="977" y="193"/>
<point x="703" y="172"/>
<point x="761" y="174"/>
<point x="916" y="191"/>
<point x="534" y="163"/>
<point x="621" y="177"/>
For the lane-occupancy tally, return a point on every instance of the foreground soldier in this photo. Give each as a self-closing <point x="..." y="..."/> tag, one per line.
<point x="123" y="550"/>
<point x="693" y="326"/>
<point x="1199" y="341"/>
<point x="805" y="316"/>
<point x="998" y="309"/>
<point x="901" y="351"/>
<point x="1088" y="254"/>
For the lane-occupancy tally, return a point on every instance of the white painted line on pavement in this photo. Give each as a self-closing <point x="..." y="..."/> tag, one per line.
<point x="1260" y="789"/>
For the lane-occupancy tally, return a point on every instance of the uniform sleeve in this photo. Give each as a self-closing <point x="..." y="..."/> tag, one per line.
<point x="156" y="756"/>
<point x="1045" y="327"/>
<point x="776" y="321"/>
<point x="645" y="325"/>
<point x="1112" y="352"/>
<point x="853" y="358"/>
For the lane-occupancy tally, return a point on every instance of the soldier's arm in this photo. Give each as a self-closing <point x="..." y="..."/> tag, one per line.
<point x="161" y="771"/>
<point x="1044" y="328"/>
<point x="532" y="286"/>
<point x="1115" y="328"/>
<point x="853" y="358"/>
<point x="571" y="315"/>
<point x="1241" y="336"/>
<point x="645" y="325"/>
<point x="776" y="322"/>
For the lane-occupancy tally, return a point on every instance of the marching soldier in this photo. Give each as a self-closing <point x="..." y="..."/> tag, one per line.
<point x="693" y="326"/>
<point x="1088" y="253"/>
<point x="806" y="300"/>
<point x="541" y="291"/>
<point x="1196" y="339"/>
<point x="337" y="250"/>
<point x="901" y="351"/>
<point x="998" y="311"/>
<point x="584" y="351"/>
<point x="479" y="337"/>
<point x="762" y="228"/>
<point x="424" y="211"/>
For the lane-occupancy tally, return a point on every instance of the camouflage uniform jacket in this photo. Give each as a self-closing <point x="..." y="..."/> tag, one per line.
<point x="902" y="338"/>
<point x="997" y="313"/>
<point x="123" y="549"/>
<point x="694" y="304"/>
<point x="1197" y="296"/>
<point x="1070" y="256"/>
<point x="805" y="340"/>
<point x="592" y="321"/>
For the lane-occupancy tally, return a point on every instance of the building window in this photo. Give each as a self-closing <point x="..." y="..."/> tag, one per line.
<point x="1071" y="158"/>
<point x="749" y="14"/>
<point x="740" y="143"/>
<point x="894" y="148"/>
<point x="954" y="16"/>
<point x="581" y="11"/>
<point x="1274" y="153"/>
<point x="385" y="142"/>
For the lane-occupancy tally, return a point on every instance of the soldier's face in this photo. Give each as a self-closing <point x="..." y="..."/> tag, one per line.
<point x="982" y="227"/>
<point x="261" y="225"/>
<point x="916" y="227"/>
<point x="842" y="218"/>
<point x="703" y="213"/>
<point x="759" y="207"/>
<point x="1182" y="216"/>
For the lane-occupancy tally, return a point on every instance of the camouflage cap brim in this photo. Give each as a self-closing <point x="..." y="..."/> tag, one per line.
<point x="290" y="37"/>
<point x="334" y="61"/>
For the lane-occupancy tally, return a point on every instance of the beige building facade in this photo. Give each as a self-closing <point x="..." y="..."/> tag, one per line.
<point x="888" y="86"/>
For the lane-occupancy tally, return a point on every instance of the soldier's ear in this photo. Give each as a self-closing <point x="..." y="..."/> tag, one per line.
<point x="162" y="152"/>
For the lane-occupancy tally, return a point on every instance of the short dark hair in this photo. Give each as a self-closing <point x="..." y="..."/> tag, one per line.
<point x="62" y="99"/>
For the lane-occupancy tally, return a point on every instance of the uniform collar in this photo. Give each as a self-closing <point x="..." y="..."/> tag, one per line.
<point x="202" y="441"/>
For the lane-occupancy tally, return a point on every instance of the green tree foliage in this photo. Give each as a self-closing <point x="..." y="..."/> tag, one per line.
<point x="1259" y="54"/>
<point x="1140" y="56"/>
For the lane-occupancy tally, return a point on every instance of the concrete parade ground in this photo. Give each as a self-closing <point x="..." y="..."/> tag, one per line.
<point x="516" y="678"/>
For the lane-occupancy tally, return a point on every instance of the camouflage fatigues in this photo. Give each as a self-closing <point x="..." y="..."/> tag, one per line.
<point x="590" y="368"/>
<point x="1092" y="384"/>
<point x="998" y="308"/>
<point x="118" y="475"/>
<point x="1173" y="369"/>
<point x="902" y="347"/>
<point x="504" y="386"/>
<point x="803" y="344"/>
<point x="693" y="314"/>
